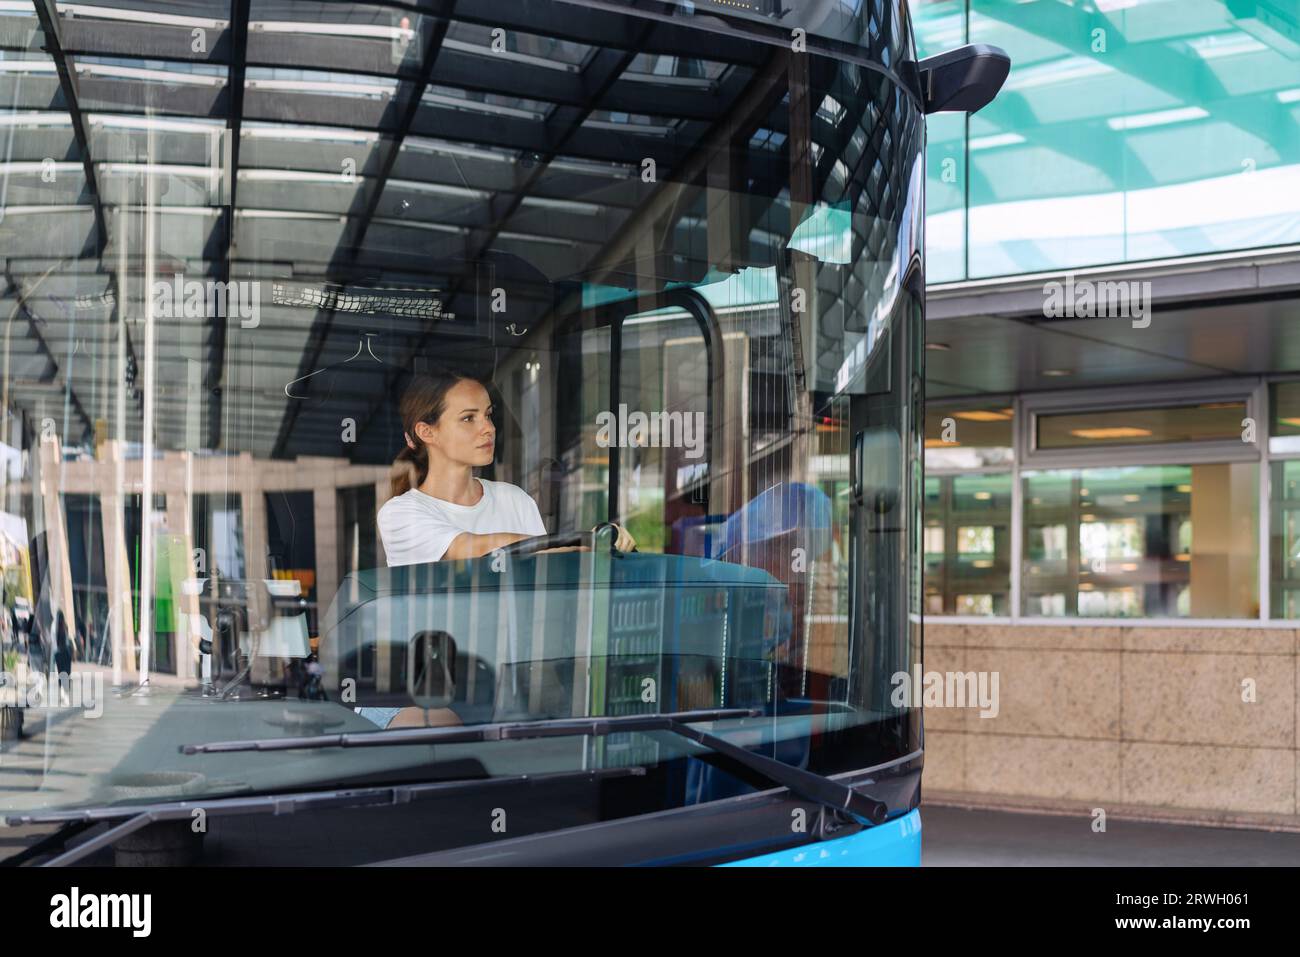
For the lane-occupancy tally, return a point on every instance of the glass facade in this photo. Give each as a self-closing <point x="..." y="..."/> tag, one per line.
<point x="1143" y="541"/>
<point x="1284" y="483"/>
<point x="968" y="544"/>
<point x="969" y="437"/>
<point x="1285" y="566"/>
<point x="1141" y="512"/>
<point x="1127" y="130"/>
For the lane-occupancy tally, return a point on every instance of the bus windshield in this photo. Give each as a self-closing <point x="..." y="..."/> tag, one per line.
<point x="376" y="366"/>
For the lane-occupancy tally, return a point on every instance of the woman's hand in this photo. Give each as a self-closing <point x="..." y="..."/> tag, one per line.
<point x="625" y="542"/>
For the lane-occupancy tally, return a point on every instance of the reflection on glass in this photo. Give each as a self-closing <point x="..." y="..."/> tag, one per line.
<point x="1284" y="587"/>
<point x="1284" y="415"/>
<point x="1148" y="541"/>
<point x="1122" y="134"/>
<point x="213" y="317"/>
<point x="968" y="438"/>
<point x="941" y="25"/>
<point x="975" y="605"/>
<point x="968" y="544"/>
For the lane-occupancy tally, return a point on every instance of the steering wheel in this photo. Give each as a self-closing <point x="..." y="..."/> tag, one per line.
<point x="603" y="535"/>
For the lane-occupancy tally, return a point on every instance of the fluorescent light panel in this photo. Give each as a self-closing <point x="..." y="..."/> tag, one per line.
<point x="150" y="76"/>
<point x="324" y="86"/>
<point x="371" y="31"/>
<point x="33" y="119"/>
<point x="1113" y="432"/>
<point x="152" y="17"/>
<point x="116" y="121"/>
<point x="322" y="134"/>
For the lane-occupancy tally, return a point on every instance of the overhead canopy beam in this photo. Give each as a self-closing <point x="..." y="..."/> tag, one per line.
<point x="48" y="15"/>
<point x="465" y="69"/>
<point x="34" y="324"/>
<point x="604" y="28"/>
<point x="238" y="46"/>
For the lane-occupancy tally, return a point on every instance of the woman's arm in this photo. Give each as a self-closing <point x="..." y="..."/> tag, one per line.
<point x="420" y="718"/>
<point x="472" y="545"/>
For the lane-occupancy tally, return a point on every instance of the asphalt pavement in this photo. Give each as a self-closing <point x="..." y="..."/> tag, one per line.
<point x="960" y="837"/>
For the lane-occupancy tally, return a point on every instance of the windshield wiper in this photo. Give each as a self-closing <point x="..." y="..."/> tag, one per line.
<point x="136" y="816"/>
<point x="830" y="794"/>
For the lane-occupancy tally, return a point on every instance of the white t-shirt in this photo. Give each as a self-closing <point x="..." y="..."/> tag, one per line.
<point x="418" y="528"/>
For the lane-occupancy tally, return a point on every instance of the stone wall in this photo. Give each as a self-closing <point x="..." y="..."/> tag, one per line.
<point x="1143" y="721"/>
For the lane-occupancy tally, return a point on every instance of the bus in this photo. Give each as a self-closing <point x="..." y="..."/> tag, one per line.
<point x="678" y="246"/>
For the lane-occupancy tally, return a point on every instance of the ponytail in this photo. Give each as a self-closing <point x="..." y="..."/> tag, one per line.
<point x="409" y="470"/>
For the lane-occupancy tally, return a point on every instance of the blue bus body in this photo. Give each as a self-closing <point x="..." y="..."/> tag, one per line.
<point x="896" y="843"/>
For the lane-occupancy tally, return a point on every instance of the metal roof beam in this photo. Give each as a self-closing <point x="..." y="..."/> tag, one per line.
<point x="238" y="46"/>
<point x="48" y="15"/>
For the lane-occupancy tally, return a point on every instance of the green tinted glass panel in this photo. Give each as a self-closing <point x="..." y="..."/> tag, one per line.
<point x="942" y="26"/>
<point x="1153" y="541"/>
<point x="968" y="544"/>
<point x="1127" y="130"/>
<point x="1284" y="590"/>
<point x="1285" y="407"/>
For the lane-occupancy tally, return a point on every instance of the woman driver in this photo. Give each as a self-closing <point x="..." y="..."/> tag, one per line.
<point x="439" y="510"/>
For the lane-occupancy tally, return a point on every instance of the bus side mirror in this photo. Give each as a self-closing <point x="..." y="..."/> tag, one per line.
<point x="963" y="80"/>
<point x="876" y="469"/>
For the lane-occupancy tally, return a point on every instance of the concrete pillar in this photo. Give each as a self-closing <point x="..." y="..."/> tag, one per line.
<point x="117" y="568"/>
<point x="325" y="511"/>
<point x="253" y="515"/>
<point x="253" y="511"/>
<point x="1225" y="541"/>
<point x="58" y="567"/>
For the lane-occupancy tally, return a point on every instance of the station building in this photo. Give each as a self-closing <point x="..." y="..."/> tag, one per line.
<point x="1112" y="517"/>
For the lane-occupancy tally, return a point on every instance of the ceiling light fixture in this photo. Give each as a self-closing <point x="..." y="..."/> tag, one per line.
<point x="981" y="415"/>
<point x="1111" y="432"/>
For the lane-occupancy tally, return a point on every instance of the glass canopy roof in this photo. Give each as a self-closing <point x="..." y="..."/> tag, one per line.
<point x="305" y="146"/>
<point x="1127" y="130"/>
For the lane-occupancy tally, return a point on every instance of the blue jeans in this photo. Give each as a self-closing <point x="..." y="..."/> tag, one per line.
<point x="380" y="716"/>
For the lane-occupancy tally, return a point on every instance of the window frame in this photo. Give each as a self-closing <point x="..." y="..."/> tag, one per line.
<point x="1030" y="407"/>
<point x="1254" y="390"/>
<point x="946" y="405"/>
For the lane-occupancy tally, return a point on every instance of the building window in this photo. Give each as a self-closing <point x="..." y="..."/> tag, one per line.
<point x="1202" y="422"/>
<point x="1284" y="576"/>
<point x="1155" y="541"/>
<point x="967" y="541"/>
<point x="968" y="438"/>
<point x="218" y="532"/>
<point x="1284" y="424"/>
<point x="291" y="543"/>
<point x="358" y="540"/>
